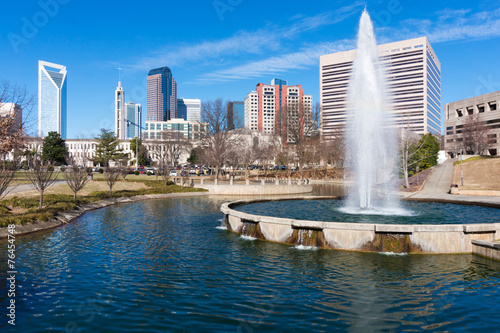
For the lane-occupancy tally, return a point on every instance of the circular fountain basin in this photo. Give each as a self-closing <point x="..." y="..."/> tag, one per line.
<point x="322" y="222"/>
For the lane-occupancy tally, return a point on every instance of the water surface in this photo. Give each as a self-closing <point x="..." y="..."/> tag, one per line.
<point x="163" y="266"/>
<point x="411" y="212"/>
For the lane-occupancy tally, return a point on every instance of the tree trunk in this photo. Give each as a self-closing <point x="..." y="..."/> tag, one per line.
<point x="41" y="200"/>
<point x="74" y="197"/>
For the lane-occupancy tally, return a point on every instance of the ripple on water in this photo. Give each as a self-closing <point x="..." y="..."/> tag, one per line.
<point x="153" y="266"/>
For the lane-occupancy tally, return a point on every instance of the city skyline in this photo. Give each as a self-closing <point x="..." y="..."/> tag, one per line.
<point x="228" y="50"/>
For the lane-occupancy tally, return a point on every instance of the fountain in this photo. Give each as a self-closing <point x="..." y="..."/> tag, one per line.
<point x="371" y="143"/>
<point x="371" y="218"/>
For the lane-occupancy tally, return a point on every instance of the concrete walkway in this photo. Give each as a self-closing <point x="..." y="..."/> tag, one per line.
<point x="438" y="185"/>
<point x="27" y="187"/>
<point x="439" y="181"/>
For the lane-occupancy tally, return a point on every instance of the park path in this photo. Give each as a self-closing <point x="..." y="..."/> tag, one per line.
<point x="27" y="187"/>
<point x="438" y="186"/>
<point x="439" y="181"/>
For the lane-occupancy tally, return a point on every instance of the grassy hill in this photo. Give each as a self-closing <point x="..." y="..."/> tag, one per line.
<point x="479" y="174"/>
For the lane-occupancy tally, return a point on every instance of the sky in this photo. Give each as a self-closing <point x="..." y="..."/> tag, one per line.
<point x="223" y="48"/>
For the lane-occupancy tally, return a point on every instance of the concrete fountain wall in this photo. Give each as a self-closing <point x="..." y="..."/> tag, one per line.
<point x="417" y="238"/>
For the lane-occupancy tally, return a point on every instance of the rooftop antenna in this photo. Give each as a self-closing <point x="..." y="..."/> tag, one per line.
<point x="119" y="72"/>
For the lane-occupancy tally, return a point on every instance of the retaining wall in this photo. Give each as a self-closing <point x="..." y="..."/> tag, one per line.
<point x="414" y="238"/>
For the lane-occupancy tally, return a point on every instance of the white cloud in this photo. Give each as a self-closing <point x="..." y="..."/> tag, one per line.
<point x="243" y="42"/>
<point x="452" y="25"/>
<point x="304" y="58"/>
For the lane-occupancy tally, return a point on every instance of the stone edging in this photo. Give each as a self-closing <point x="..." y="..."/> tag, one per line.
<point x="410" y="238"/>
<point x="67" y="216"/>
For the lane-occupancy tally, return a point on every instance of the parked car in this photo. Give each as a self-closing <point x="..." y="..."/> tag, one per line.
<point x="150" y="170"/>
<point x="173" y="173"/>
<point x="184" y="173"/>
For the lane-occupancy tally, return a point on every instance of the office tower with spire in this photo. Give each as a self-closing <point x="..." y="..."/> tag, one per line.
<point x="52" y="79"/>
<point x="120" y="111"/>
<point x="162" y="95"/>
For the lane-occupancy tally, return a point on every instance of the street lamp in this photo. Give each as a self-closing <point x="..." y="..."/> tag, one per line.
<point x="137" y="138"/>
<point x="461" y="167"/>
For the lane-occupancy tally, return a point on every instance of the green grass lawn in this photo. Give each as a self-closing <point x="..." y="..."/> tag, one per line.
<point x="475" y="158"/>
<point x="22" y="210"/>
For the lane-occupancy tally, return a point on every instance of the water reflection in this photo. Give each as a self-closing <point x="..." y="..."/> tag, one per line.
<point x="163" y="266"/>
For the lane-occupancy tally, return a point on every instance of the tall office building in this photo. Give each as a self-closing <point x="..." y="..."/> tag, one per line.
<point x="189" y="109"/>
<point x="161" y="89"/>
<point x="133" y="120"/>
<point x="235" y="114"/>
<point x="278" y="109"/>
<point x="51" y="99"/>
<point x="252" y="111"/>
<point x="413" y="74"/>
<point x="173" y="101"/>
<point x="119" y="112"/>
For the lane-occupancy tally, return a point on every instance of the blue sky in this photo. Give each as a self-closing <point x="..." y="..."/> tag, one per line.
<point x="223" y="48"/>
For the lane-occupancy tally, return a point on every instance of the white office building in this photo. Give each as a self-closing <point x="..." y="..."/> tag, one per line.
<point x="51" y="99"/>
<point x="413" y="74"/>
<point x="189" y="109"/>
<point x="252" y="111"/>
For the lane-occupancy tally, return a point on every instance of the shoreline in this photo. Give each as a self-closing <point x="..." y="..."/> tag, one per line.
<point x="67" y="216"/>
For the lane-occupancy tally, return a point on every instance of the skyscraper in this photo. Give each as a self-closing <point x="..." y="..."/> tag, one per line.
<point x="161" y="88"/>
<point x="119" y="112"/>
<point x="133" y="120"/>
<point x="51" y="99"/>
<point x="279" y="109"/>
<point x="189" y="109"/>
<point x="413" y="74"/>
<point x="173" y="100"/>
<point x="235" y="114"/>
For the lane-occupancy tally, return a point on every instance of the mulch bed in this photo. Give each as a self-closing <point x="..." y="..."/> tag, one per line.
<point x="413" y="181"/>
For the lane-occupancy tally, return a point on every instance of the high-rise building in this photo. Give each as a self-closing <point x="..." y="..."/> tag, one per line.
<point x="279" y="109"/>
<point x="413" y="74"/>
<point x="51" y="99"/>
<point x="189" y="109"/>
<point x="119" y="112"/>
<point x="252" y="111"/>
<point x="235" y="114"/>
<point x="161" y="89"/>
<point x="173" y="101"/>
<point x="133" y="120"/>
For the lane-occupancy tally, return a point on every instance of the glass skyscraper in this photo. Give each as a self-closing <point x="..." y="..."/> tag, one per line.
<point x="51" y="99"/>
<point x="132" y="120"/>
<point x="162" y="95"/>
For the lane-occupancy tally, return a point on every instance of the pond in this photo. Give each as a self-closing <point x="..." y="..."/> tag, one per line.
<point x="168" y="266"/>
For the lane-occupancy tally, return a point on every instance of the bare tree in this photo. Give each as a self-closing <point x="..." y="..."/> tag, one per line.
<point x="174" y="144"/>
<point x="475" y="135"/>
<point x="7" y="173"/>
<point x="111" y="175"/>
<point x="14" y="101"/>
<point x="40" y="176"/>
<point x="76" y="178"/>
<point x="219" y="139"/>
